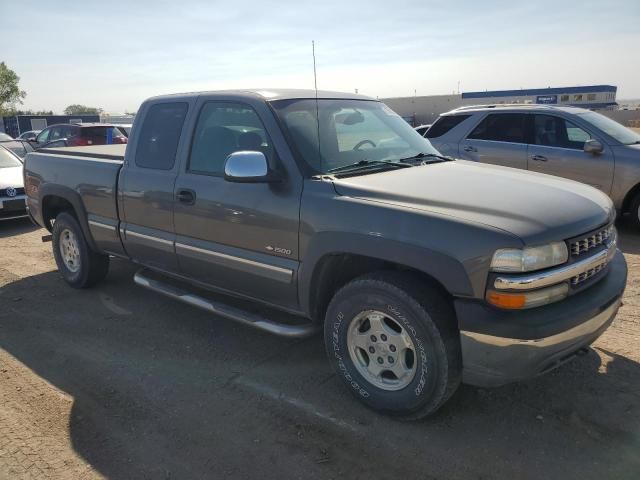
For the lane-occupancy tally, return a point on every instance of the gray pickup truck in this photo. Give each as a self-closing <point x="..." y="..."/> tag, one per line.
<point x="293" y="211"/>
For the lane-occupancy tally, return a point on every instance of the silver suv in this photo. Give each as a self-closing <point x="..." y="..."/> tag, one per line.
<point x="564" y="141"/>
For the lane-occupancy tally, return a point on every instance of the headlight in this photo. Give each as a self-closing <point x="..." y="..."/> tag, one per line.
<point x="530" y="258"/>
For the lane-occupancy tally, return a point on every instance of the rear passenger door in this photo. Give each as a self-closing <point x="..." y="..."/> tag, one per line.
<point x="499" y="139"/>
<point x="237" y="237"/>
<point x="146" y="186"/>
<point x="558" y="149"/>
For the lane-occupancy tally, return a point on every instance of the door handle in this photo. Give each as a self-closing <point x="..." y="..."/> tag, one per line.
<point x="186" y="196"/>
<point x="469" y="148"/>
<point x="539" y="158"/>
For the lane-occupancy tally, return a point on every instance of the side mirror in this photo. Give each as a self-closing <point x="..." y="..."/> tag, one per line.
<point x="593" y="146"/>
<point x="248" y="167"/>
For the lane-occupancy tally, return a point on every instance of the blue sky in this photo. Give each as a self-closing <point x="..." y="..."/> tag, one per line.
<point x="115" y="54"/>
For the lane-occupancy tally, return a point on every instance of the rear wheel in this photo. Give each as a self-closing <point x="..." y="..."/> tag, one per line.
<point x="80" y="266"/>
<point x="393" y="341"/>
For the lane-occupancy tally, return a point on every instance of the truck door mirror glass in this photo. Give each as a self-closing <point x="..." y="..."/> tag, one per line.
<point x="247" y="167"/>
<point x="593" y="146"/>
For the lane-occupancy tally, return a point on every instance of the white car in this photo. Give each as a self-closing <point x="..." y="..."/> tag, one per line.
<point x="30" y="135"/>
<point x="12" y="198"/>
<point x="422" y="129"/>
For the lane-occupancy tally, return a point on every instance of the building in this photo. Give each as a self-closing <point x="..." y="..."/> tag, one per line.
<point x="116" y="118"/>
<point x="594" y="97"/>
<point x="424" y="110"/>
<point x="18" y="124"/>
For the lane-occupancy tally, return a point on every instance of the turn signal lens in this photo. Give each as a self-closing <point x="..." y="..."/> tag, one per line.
<point x="506" y="300"/>
<point x="519" y="301"/>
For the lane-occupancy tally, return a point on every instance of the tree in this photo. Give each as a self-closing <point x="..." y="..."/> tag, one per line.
<point x="82" y="110"/>
<point x="10" y="92"/>
<point x="30" y="112"/>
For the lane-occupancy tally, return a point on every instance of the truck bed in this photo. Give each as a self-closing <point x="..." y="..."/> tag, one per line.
<point x="87" y="177"/>
<point x="106" y="152"/>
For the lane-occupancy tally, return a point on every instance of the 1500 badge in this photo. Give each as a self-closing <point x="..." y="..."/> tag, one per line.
<point x="282" y="251"/>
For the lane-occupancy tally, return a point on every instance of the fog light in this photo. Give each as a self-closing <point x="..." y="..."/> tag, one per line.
<point x="519" y="301"/>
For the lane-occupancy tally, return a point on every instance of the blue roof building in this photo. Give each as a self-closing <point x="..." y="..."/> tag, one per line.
<point x="588" y="96"/>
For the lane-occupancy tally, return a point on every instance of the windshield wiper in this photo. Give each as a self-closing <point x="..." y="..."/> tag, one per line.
<point x="421" y="155"/>
<point x="365" y="165"/>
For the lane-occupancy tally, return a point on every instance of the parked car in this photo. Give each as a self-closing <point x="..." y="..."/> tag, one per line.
<point x="126" y="128"/>
<point x="19" y="147"/>
<point x="568" y="142"/>
<point x="12" y="198"/>
<point x="422" y="129"/>
<point x="421" y="270"/>
<point x="5" y="137"/>
<point x="80" y="134"/>
<point x="30" y="135"/>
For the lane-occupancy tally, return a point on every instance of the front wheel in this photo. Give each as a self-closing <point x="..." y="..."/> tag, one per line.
<point x="393" y="341"/>
<point x="635" y="211"/>
<point x="80" y="266"/>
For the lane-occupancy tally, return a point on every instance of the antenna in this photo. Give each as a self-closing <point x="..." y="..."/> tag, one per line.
<point x="315" y="76"/>
<point x="315" y="84"/>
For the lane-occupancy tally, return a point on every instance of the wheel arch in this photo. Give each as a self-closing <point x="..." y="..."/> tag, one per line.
<point x="326" y="270"/>
<point x="56" y="199"/>
<point x="631" y="194"/>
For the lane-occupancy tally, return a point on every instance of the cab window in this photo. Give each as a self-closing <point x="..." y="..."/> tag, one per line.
<point x="224" y="128"/>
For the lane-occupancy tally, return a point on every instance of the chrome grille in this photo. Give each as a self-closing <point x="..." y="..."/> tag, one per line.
<point x="587" y="275"/>
<point x="578" y="247"/>
<point x="18" y="191"/>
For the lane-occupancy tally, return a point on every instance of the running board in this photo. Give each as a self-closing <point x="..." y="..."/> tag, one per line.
<point x="224" y="310"/>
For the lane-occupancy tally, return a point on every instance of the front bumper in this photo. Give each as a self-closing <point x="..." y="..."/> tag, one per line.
<point x="9" y="213"/>
<point x="500" y="346"/>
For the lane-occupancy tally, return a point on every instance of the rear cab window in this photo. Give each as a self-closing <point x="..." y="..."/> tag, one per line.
<point x="444" y="124"/>
<point x="160" y="134"/>
<point x="502" y="127"/>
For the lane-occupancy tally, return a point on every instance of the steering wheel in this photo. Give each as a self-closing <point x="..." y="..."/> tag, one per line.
<point x="364" y="142"/>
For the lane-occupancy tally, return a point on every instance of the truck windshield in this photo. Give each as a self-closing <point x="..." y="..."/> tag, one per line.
<point x="612" y="128"/>
<point x="7" y="160"/>
<point x="350" y="131"/>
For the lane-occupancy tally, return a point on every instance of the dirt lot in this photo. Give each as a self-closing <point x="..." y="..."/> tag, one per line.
<point x="119" y="382"/>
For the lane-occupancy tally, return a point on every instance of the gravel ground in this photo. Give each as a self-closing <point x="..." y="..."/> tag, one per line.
<point x="119" y="382"/>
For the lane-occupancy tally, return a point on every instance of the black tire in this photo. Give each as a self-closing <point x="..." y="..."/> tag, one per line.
<point x="93" y="266"/>
<point x="635" y="212"/>
<point x="431" y="325"/>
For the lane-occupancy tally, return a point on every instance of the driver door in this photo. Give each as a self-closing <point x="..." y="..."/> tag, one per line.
<point x="237" y="237"/>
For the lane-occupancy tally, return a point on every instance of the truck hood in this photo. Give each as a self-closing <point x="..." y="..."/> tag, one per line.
<point x="537" y="208"/>
<point x="11" y="177"/>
